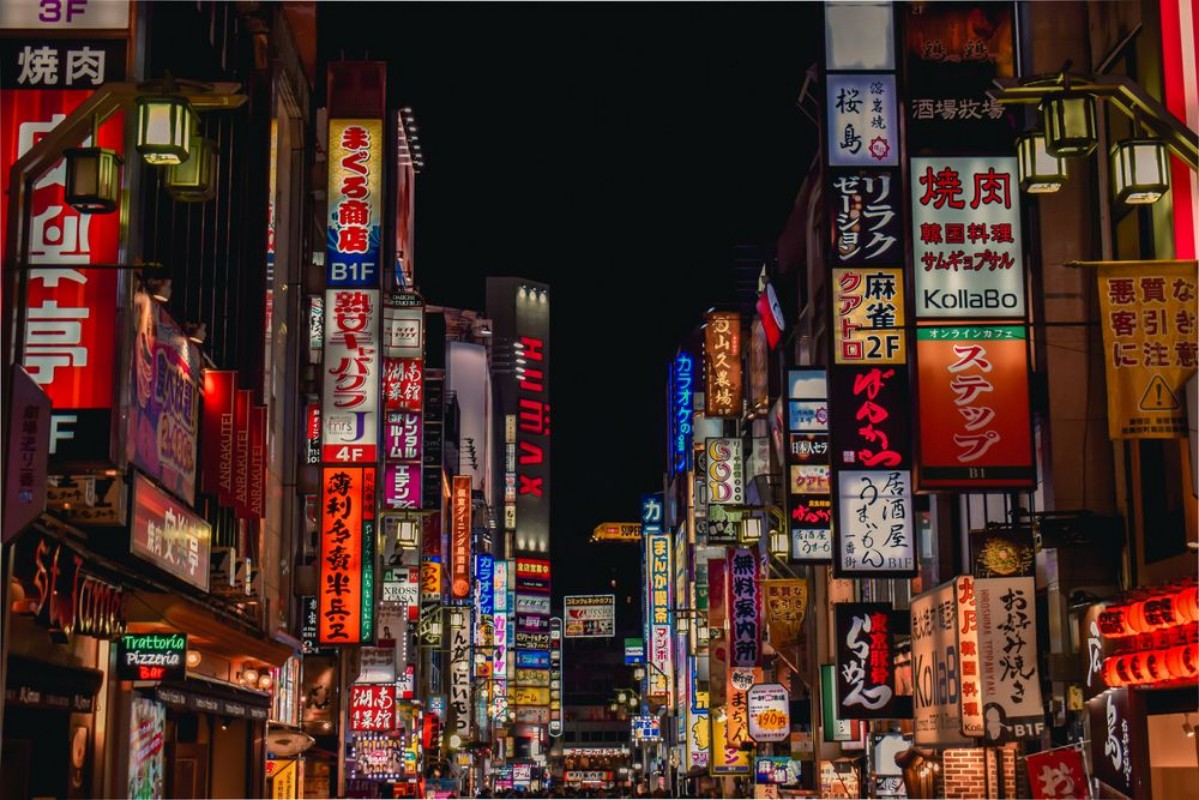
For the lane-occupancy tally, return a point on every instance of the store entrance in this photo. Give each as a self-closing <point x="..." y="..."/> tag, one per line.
<point x="29" y="771"/>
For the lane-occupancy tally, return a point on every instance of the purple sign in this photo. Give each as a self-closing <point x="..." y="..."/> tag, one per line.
<point x="403" y="436"/>
<point x="401" y="486"/>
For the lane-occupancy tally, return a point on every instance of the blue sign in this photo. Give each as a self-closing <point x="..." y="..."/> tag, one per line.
<point x="532" y="659"/>
<point x="682" y="372"/>
<point x="652" y="513"/>
<point x="634" y="651"/>
<point x="485" y="583"/>
<point x="646" y="729"/>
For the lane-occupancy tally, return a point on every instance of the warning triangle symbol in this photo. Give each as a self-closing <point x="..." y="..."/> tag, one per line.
<point x="1158" y="396"/>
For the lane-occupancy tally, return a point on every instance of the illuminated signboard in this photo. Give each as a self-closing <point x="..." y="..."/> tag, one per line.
<point x="590" y="615"/>
<point x="169" y="535"/>
<point x="722" y="364"/>
<point x="867" y="222"/>
<point x="355" y="197"/>
<point x="460" y="537"/>
<point x="975" y="424"/>
<point x="726" y="472"/>
<point x="682" y="377"/>
<point x="347" y="534"/>
<point x="661" y="650"/>
<point x="869" y="308"/>
<point x="616" y="532"/>
<point x="152" y="657"/>
<point x="863" y="125"/>
<point x="966" y="238"/>
<point x="350" y="407"/>
<point x="809" y="495"/>
<point x="865" y="661"/>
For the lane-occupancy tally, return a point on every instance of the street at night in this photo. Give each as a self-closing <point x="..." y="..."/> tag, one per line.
<point x="596" y="400"/>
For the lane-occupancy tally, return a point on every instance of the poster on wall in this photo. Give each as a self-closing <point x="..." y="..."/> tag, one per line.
<point x="164" y="413"/>
<point x="973" y="401"/>
<point x="147" y="733"/>
<point x="768" y="709"/>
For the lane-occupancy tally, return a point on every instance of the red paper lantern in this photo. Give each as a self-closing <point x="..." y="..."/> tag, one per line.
<point x="1187" y="603"/>
<point x="1114" y="622"/>
<point x="1182" y="661"/>
<point x="1137" y="619"/>
<point x="1138" y="669"/>
<point x="1111" y="672"/>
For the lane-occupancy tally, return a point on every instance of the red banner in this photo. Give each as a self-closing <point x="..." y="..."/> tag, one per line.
<point x="241" y="452"/>
<point x="975" y="424"/>
<point x="460" y="534"/>
<point x="345" y="493"/>
<point x="1057" y="774"/>
<point x="256" y="491"/>
<point x="220" y="391"/>
<point x="403" y="383"/>
<point x="72" y="313"/>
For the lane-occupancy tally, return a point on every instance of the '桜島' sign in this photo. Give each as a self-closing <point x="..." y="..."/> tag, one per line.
<point x="865" y="661"/>
<point x="355" y="202"/>
<point x="975" y="424"/>
<point x="966" y="238"/>
<point x="350" y="407"/>
<point x="863" y="126"/>
<point x="346" y="597"/>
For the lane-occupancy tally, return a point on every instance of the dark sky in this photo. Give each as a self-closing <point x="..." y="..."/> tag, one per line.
<point x="617" y="152"/>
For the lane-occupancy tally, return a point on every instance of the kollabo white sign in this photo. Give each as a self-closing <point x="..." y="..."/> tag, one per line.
<point x="769" y="711"/>
<point x="726" y="485"/>
<point x="966" y="234"/>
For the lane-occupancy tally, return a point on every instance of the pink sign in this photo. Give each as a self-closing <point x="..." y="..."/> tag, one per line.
<point x="401" y="486"/>
<point x="403" y="436"/>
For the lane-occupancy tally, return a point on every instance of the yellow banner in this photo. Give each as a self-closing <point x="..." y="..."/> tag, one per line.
<point x="786" y="605"/>
<point x="1147" y="311"/>
<point x="529" y="696"/>
<point x="727" y="759"/>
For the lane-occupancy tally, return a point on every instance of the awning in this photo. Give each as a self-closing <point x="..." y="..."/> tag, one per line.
<point x="209" y="697"/>
<point x="153" y="612"/>
<point x="40" y="684"/>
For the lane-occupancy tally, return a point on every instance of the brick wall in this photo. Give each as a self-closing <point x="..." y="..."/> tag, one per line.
<point x="968" y="773"/>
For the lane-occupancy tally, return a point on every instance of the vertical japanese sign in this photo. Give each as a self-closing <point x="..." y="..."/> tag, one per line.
<point x="868" y="304"/>
<point x="865" y="661"/>
<point x="533" y="420"/>
<point x="971" y="696"/>
<point x="786" y="604"/>
<point x="355" y="194"/>
<point x="556" y="667"/>
<point x="350" y="408"/>
<point x="875" y="534"/>
<point x="373" y="707"/>
<point x="460" y="672"/>
<point x="727" y="757"/>
<point x="403" y="351"/>
<point x="28" y="450"/>
<point x="402" y="437"/>
<point x="809" y="497"/>
<point x="699" y="738"/>
<point x="936" y="668"/>
<point x="745" y="602"/>
<point x="953" y="53"/>
<point x="725" y="471"/>
<point x="71" y="310"/>
<point x="682" y="375"/>
<point x="164" y="413"/>
<point x="966" y="238"/>
<point x="867" y="219"/>
<point x="1119" y="741"/>
<point x="401" y="486"/>
<point x="661" y="654"/>
<point x="1007" y="644"/>
<point x="346" y="599"/>
<point x="460" y="514"/>
<point x="863" y="125"/>
<point x="870" y="417"/>
<point x="722" y="364"/>
<point x="1148" y="313"/>
<point x="1058" y="773"/>
<point x="220" y="389"/>
<point x="975" y="423"/>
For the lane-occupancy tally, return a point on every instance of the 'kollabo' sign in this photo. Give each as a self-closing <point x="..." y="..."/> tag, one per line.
<point x="152" y="657"/>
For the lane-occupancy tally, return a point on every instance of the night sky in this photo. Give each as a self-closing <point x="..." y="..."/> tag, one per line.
<point x="618" y="152"/>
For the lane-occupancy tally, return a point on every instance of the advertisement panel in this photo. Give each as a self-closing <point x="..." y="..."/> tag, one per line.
<point x="372" y="707"/>
<point x="936" y="700"/>
<point x="555" y="691"/>
<point x="867" y="228"/>
<point x="869" y="306"/>
<point x="722" y="364"/>
<point x="401" y="486"/>
<point x="870" y="417"/>
<point x="1120" y="742"/>
<point x="973" y="400"/>
<point x="865" y="661"/>
<point x="589" y="615"/>
<point x="403" y="384"/>
<point x="1148" y="312"/>
<point x="460" y="537"/>
<point x="786" y="604"/>
<point x="25" y="485"/>
<point x="169" y="535"/>
<point x="745" y="604"/>
<point x="402" y="437"/>
<point x="147" y="739"/>
<point x="699" y="738"/>
<point x="661" y="652"/>
<point x="863" y="125"/>
<point x="725" y="471"/>
<point x="682" y="406"/>
<point x="152" y="657"/>
<point x="350" y="404"/>
<point x="1007" y="654"/>
<point x="970" y="704"/>
<point x="768" y="706"/>
<point x="460" y="693"/>
<point x="71" y="312"/>
<point x="966" y="238"/>
<point x="532" y="417"/>
<point x="346" y="581"/>
<point x="355" y="199"/>
<point x="220" y="389"/>
<point x="809" y="499"/>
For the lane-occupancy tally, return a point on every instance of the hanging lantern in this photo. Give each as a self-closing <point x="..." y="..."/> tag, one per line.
<point x="1183" y="660"/>
<point x="1114" y="623"/>
<point x="1068" y="119"/>
<point x="194" y="180"/>
<point x="1040" y="172"/>
<point x="93" y="179"/>
<point x="1188" y="603"/>
<point x="1141" y="170"/>
<point x="164" y="129"/>
<point x="1111" y="672"/>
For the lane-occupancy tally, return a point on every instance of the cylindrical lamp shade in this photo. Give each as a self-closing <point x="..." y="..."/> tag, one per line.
<point x="1040" y="172"/>
<point x="194" y="180"/>
<point x="164" y="129"/>
<point x="93" y="179"/>
<point x="1141" y="170"/>
<point x="1069" y="123"/>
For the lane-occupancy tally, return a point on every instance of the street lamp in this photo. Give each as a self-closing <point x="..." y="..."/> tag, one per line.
<point x="1069" y="122"/>
<point x="1040" y="172"/>
<point x="164" y="128"/>
<point x="1141" y="170"/>
<point x="93" y="184"/>
<point x="194" y="180"/>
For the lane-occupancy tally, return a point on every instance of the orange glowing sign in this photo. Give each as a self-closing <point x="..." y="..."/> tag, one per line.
<point x="617" y="532"/>
<point x="722" y="364"/>
<point x="460" y="532"/>
<point x="345" y="606"/>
